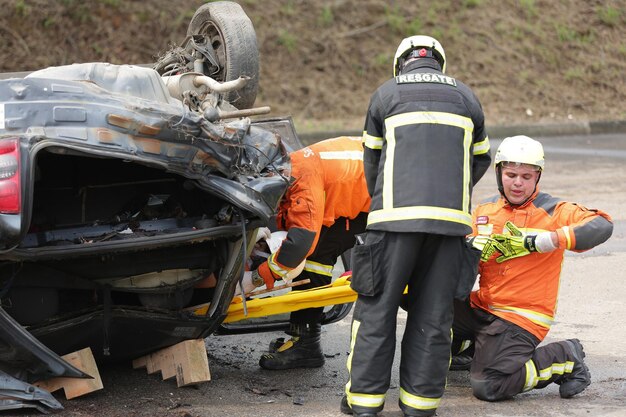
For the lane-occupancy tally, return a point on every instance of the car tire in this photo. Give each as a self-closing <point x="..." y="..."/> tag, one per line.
<point x="233" y="37"/>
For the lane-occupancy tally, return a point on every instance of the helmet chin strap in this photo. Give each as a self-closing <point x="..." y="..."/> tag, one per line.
<point x="501" y="187"/>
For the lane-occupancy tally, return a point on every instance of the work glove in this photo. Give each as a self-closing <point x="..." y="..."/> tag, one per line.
<point x="514" y="243"/>
<point x="260" y="251"/>
<point x="263" y="233"/>
<point x="486" y="245"/>
<point x="251" y="281"/>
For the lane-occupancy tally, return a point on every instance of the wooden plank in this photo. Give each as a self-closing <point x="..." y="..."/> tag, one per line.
<point x="187" y="361"/>
<point x="156" y="361"/>
<point x="278" y="287"/>
<point x="166" y="363"/>
<point x="76" y="387"/>
<point x="192" y="363"/>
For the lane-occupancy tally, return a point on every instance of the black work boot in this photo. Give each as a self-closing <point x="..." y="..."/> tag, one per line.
<point x="463" y="360"/>
<point x="580" y="378"/>
<point x="275" y="344"/>
<point x="344" y="407"/>
<point x="303" y="350"/>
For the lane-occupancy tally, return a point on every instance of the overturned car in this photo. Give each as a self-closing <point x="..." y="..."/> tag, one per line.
<point x="128" y="194"/>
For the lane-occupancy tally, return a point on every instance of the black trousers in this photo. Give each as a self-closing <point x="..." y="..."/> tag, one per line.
<point x="382" y="268"/>
<point x="506" y="359"/>
<point x="332" y="243"/>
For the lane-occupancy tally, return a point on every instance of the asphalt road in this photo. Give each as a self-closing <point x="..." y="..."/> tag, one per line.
<point x="590" y="170"/>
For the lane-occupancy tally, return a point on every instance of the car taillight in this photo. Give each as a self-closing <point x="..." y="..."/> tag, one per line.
<point x="10" y="176"/>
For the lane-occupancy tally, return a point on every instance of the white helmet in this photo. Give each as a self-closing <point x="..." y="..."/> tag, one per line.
<point x="432" y="48"/>
<point x="519" y="150"/>
<point x="522" y="150"/>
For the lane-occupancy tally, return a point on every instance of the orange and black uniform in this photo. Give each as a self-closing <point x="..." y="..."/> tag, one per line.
<point x="323" y="209"/>
<point x="515" y="305"/>
<point x="425" y="148"/>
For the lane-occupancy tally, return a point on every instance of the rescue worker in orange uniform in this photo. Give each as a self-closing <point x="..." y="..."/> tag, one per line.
<point x="515" y="305"/>
<point x="324" y="208"/>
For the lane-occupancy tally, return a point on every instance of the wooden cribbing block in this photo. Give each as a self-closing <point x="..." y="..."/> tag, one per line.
<point x="75" y="387"/>
<point x="186" y="360"/>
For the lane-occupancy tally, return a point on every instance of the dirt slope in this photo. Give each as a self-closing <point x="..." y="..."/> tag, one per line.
<point x="527" y="60"/>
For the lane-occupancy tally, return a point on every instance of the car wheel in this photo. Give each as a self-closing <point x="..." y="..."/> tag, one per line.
<point x="231" y="34"/>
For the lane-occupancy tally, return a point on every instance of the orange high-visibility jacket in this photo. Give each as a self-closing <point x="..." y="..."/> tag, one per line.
<point x="524" y="290"/>
<point x="328" y="183"/>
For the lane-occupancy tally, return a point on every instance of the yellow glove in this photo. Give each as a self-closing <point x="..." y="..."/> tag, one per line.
<point x="515" y="243"/>
<point x="486" y="245"/>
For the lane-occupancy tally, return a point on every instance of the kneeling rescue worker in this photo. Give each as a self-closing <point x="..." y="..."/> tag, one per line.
<point x="324" y="208"/>
<point x="514" y="307"/>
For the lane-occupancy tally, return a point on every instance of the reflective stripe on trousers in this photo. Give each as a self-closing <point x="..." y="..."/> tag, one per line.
<point x="417" y="402"/>
<point x="553" y="371"/>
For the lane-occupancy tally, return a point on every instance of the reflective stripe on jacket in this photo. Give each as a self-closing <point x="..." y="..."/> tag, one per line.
<point x="425" y="148"/>
<point x="524" y="290"/>
<point x="328" y="184"/>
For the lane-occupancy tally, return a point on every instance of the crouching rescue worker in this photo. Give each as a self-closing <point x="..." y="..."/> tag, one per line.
<point x="324" y="208"/>
<point x="425" y="148"/>
<point x="514" y="307"/>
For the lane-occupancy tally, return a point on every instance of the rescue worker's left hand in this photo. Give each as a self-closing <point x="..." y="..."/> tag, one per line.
<point x="250" y="282"/>
<point x="515" y="243"/>
<point x="263" y="233"/>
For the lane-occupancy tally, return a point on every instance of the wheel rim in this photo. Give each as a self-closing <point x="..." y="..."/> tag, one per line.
<point x="211" y="32"/>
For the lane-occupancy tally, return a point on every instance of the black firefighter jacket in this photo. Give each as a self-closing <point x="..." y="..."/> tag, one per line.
<point x="425" y="148"/>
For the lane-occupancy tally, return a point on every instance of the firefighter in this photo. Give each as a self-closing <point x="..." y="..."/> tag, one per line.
<point x="324" y="208"/>
<point x="425" y="148"/>
<point x="515" y="305"/>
